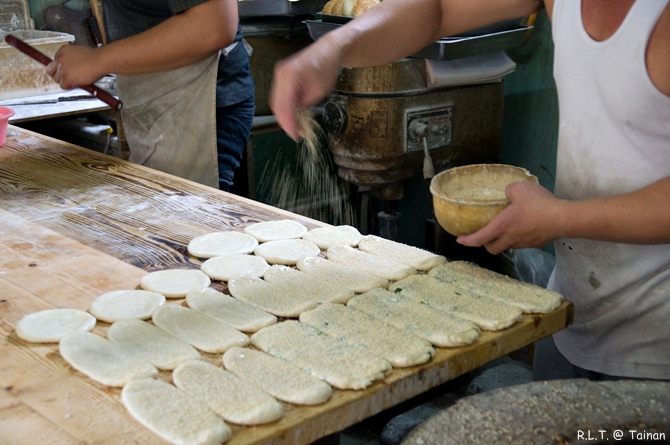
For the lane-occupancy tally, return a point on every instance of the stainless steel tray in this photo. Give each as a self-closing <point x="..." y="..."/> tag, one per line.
<point x="269" y="8"/>
<point x="447" y="47"/>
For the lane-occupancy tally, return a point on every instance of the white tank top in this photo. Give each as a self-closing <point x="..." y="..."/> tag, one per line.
<point x="614" y="137"/>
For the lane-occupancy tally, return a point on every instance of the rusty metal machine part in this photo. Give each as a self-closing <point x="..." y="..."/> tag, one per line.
<point x="379" y="119"/>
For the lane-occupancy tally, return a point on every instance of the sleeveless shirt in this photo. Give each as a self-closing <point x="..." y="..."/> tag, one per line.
<point x="614" y="137"/>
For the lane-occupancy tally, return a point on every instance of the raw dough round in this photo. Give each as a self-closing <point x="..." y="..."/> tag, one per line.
<point x="233" y="312"/>
<point x="277" y="377"/>
<point x="197" y="329"/>
<point x="175" y="283"/>
<point x="275" y="230"/>
<point x="173" y="415"/>
<point x="151" y="343"/>
<point x="233" y="266"/>
<point x="221" y="243"/>
<point x="116" y="305"/>
<point x="286" y="251"/>
<point x="102" y="360"/>
<point x="324" y="237"/>
<point x="232" y="398"/>
<point x="51" y="325"/>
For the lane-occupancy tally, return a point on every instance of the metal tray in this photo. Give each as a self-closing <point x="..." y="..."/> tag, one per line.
<point x="446" y="48"/>
<point x="270" y="8"/>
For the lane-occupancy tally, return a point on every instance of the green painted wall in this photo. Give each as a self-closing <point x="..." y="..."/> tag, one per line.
<point x="530" y="122"/>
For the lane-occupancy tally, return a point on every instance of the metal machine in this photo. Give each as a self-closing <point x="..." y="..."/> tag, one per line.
<point x="381" y="120"/>
<point x="386" y="122"/>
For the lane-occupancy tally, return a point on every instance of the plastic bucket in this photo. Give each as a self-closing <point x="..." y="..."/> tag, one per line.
<point x="5" y="114"/>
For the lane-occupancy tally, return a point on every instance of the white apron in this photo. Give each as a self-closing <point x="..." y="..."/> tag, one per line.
<point x="170" y="120"/>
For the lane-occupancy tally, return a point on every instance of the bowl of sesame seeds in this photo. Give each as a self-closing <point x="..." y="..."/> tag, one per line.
<point x="467" y="198"/>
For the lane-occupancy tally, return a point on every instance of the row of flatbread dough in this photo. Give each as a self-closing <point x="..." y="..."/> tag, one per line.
<point x="278" y="265"/>
<point x="300" y="343"/>
<point x="246" y="392"/>
<point x="203" y="396"/>
<point x="285" y="242"/>
<point x="364" y="264"/>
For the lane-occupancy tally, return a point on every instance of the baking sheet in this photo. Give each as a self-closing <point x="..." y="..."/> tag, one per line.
<point x="443" y="49"/>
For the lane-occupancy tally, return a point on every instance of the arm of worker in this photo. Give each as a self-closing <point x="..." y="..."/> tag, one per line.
<point x="181" y="40"/>
<point x="536" y="217"/>
<point x="387" y="32"/>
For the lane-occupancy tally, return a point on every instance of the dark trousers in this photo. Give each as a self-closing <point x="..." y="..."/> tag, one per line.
<point x="233" y="128"/>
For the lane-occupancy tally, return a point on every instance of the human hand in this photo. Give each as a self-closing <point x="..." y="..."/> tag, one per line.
<point x="74" y="66"/>
<point x="301" y="81"/>
<point x="531" y="220"/>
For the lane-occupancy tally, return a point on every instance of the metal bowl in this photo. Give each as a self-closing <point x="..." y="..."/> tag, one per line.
<point x="466" y="198"/>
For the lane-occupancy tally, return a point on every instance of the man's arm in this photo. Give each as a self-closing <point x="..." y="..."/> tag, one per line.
<point x="387" y="32"/>
<point x="181" y="40"/>
<point x="535" y="217"/>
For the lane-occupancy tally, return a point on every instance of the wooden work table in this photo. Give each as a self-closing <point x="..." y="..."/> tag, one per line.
<point x="75" y="223"/>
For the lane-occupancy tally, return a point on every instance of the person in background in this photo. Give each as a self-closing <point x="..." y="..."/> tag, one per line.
<point x="609" y="218"/>
<point x="183" y="76"/>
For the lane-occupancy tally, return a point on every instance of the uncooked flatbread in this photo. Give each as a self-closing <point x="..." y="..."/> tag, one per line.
<point x="372" y="264"/>
<point x="400" y="348"/>
<point x="175" y="283"/>
<point x="286" y="251"/>
<point x="340" y="275"/>
<point x="434" y="325"/>
<point x="197" y="329"/>
<point x="272" y="298"/>
<point x="49" y="326"/>
<point x="232" y="398"/>
<point x="527" y="297"/>
<point x="340" y="364"/>
<point x="173" y="415"/>
<point x="488" y="314"/>
<point x="119" y="304"/>
<point x="295" y="282"/>
<point x="235" y="265"/>
<point x="324" y="237"/>
<point x="233" y="312"/>
<point x="102" y="360"/>
<point x="401" y="253"/>
<point x="221" y="243"/>
<point x="276" y="230"/>
<point x="151" y="343"/>
<point x="277" y="377"/>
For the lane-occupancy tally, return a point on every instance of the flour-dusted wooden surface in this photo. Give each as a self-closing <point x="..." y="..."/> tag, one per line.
<point x="138" y="215"/>
<point x="75" y="224"/>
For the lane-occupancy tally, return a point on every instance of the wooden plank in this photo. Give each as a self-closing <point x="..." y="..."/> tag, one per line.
<point x="136" y="214"/>
<point x="346" y="408"/>
<point x="45" y="382"/>
<point x="18" y="421"/>
<point x="96" y="8"/>
<point x="44" y="262"/>
<point x="42" y="270"/>
<point x="39" y="377"/>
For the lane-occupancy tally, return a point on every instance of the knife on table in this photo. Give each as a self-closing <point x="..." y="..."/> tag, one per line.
<point x="55" y="100"/>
